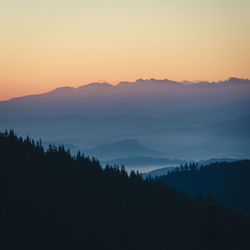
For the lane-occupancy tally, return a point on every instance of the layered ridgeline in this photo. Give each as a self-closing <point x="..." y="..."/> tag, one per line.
<point x="227" y="181"/>
<point x="160" y="119"/>
<point x="51" y="200"/>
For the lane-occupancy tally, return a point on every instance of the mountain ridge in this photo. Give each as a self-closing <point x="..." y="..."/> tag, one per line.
<point x="139" y="82"/>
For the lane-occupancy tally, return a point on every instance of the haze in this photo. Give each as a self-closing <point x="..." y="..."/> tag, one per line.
<point x="146" y="124"/>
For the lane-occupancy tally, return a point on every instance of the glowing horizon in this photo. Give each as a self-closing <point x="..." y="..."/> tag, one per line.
<point x="49" y="44"/>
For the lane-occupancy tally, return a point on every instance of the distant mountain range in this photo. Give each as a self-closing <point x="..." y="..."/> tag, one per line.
<point x="146" y="122"/>
<point x="145" y="97"/>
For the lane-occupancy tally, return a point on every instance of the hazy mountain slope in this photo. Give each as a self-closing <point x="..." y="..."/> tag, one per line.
<point x="129" y="147"/>
<point x="191" y="135"/>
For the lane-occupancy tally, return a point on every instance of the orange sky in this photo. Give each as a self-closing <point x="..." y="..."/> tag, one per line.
<point x="51" y="43"/>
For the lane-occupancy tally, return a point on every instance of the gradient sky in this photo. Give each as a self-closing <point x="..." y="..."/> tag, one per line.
<point x="45" y="44"/>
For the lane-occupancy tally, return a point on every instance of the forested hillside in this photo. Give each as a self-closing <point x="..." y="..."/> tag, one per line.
<point x="227" y="181"/>
<point x="51" y="200"/>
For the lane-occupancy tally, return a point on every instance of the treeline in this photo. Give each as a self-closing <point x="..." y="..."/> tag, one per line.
<point x="227" y="181"/>
<point x="52" y="200"/>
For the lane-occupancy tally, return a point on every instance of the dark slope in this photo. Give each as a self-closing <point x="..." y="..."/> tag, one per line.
<point x="166" y="170"/>
<point x="50" y="200"/>
<point x="228" y="181"/>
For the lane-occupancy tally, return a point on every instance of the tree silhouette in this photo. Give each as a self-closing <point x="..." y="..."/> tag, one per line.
<point x="52" y="200"/>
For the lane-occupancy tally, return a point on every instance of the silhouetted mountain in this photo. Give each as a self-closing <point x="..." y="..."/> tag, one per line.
<point x="147" y="97"/>
<point x="228" y="181"/>
<point x="51" y="200"/>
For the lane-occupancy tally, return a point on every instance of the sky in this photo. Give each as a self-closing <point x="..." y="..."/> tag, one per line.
<point x="45" y="44"/>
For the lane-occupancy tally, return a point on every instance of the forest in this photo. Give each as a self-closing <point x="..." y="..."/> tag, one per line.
<point x="51" y="199"/>
<point x="228" y="182"/>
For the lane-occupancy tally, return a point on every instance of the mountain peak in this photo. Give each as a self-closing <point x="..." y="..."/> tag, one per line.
<point x="60" y="89"/>
<point x="238" y="80"/>
<point x="96" y="84"/>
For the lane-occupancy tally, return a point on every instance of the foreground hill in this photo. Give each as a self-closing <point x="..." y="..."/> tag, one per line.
<point x="228" y="181"/>
<point x="51" y="200"/>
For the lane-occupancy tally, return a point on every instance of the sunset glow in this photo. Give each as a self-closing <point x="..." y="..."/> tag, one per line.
<point x="52" y="43"/>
